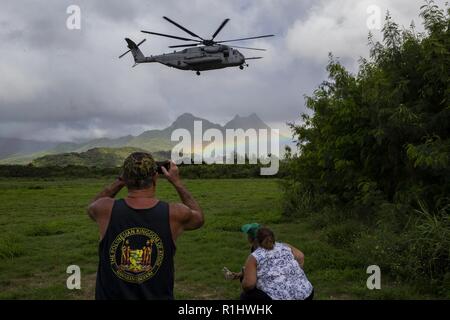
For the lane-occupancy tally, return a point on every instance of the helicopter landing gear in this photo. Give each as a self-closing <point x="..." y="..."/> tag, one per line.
<point x="242" y="66"/>
<point x="198" y="73"/>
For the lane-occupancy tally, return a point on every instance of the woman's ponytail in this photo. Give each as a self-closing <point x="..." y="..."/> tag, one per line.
<point x="265" y="238"/>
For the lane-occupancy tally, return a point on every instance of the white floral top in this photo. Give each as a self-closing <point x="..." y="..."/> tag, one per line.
<point x="280" y="275"/>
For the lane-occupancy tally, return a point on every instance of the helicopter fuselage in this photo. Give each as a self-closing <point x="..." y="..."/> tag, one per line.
<point x="200" y="58"/>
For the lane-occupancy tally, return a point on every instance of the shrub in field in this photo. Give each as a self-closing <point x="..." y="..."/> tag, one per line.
<point x="45" y="229"/>
<point x="429" y="238"/>
<point x="343" y="234"/>
<point x="10" y="246"/>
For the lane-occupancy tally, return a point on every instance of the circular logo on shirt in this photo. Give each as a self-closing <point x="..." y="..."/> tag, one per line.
<point x="136" y="255"/>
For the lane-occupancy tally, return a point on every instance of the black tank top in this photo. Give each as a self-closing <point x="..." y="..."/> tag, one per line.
<point x="136" y="254"/>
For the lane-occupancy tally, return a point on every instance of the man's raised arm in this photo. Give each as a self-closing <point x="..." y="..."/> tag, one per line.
<point x="109" y="192"/>
<point x="189" y="214"/>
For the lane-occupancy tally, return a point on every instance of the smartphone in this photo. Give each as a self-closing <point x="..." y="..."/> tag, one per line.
<point x="160" y="164"/>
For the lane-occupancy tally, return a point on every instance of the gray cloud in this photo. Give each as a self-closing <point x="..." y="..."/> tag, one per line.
<point x="58" y="84"/>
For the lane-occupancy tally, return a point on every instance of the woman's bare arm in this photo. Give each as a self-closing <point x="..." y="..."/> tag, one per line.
<point x="298" y="255"/>
<point x="249" y="280"/>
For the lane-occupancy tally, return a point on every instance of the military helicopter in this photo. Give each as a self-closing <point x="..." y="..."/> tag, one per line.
<point x="202" y="55"/>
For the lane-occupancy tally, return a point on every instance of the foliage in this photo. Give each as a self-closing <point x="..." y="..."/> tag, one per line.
<point x="376" y="147"/>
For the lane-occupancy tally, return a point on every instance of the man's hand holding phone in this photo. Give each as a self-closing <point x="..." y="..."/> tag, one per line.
<point x="172" y="174"/>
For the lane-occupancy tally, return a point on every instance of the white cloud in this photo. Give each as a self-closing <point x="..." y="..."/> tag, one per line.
<point x="340" y="27"/>
<point x="16" y="85"/>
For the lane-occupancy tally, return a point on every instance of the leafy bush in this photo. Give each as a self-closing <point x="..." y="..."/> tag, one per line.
<point x="429" y="238"/>
<point x="342" y="235"/>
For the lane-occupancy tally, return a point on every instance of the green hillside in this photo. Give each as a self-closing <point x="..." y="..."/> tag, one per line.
<point x="151" y="144"/>
<point x="21" y="159"/>
<point x="96" y="157"/>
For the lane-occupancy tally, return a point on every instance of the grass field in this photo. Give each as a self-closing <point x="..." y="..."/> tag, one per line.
<point x="44" y="229"/>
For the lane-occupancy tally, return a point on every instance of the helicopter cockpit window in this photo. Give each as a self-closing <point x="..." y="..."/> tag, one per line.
<point x="226" y="53"/>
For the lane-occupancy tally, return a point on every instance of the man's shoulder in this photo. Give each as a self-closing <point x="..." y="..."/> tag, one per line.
<point x="101" y="207"/>
<point x="102" y="203"/>
<point x="178" y="207"/>
<point x="178" y="210"/>
<point x="105" y="201"/>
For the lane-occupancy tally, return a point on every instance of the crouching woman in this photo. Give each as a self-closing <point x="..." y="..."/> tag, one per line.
<point x="276" y="269"/>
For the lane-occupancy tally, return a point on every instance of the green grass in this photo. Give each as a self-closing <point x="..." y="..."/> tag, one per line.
<point x="44" y="229"/>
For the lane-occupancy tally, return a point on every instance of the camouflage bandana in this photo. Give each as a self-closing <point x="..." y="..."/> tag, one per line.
<point x="139" y="166"/>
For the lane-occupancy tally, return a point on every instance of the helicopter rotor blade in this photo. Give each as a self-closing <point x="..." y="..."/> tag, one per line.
<point x="141" y="42"/>
<point x="253" y="58"/>
<point x="242" y="39"/>
<point x="123" y="55"/>
<point x="185" y="45"/>
<point x="183" y="28"/>
<point x="247" y="48"/>
<point x="220" y="28"/>
<point x="169" y="36"/>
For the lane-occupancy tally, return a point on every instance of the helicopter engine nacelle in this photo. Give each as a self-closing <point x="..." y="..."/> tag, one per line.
<point x="213" y="49"/>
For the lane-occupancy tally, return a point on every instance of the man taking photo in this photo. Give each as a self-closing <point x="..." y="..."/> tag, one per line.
<point x="138" y="233"/>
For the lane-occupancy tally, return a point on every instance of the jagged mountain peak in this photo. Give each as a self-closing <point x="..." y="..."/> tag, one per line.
<point x="250" y="122"/>
<point x="186" y="121"/>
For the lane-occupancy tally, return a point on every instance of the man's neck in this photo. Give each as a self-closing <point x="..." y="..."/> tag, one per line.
<point x="141" y="194"/>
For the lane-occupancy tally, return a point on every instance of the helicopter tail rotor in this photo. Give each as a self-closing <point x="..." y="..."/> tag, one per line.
<point x="134" y="49"/>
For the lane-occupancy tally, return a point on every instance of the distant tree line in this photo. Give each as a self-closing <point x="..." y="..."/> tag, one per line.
<point x="202" y="171"/>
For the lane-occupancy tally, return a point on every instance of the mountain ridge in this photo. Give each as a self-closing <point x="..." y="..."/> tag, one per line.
<point x="96" y="157"/>
<point x="154" y="140"/>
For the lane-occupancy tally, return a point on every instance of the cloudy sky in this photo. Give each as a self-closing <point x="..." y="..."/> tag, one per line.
<point x="61" y="84"/>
